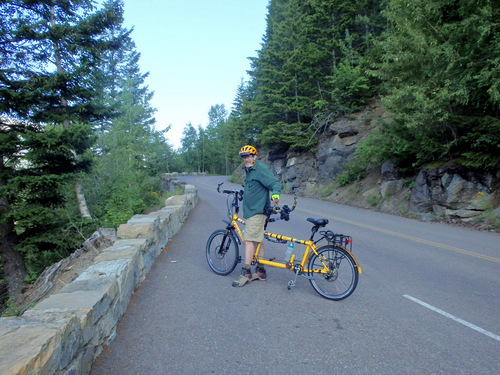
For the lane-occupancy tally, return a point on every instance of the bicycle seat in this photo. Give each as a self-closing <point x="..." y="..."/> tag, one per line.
<point x="317" y="222"/>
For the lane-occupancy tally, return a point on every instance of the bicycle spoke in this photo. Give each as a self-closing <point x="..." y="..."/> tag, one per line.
<point x="222" y="252"/>
<point x="334" y="275"/>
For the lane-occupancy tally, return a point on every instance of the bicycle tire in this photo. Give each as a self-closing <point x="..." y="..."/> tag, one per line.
<point x="342" y="279"/>
<point x="222" y="252"/>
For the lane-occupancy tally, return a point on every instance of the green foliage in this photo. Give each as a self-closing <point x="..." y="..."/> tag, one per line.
<point x="119" y="195"/>
<point x="327" y="191"/>
<point x="349" y="83"/>
<point x="296" y="135"/>
<point x="39" y="169"/>
<point x="440" y="63"/>
<point x="122" y="205"/>
<point x="351" y="172"/>
<point x="53" y="242"/>
<point x="369" y="151"/>
<point x="374" y="200"/>
<point x="436" y="63"/>
<point x="49" y="53"/>
<point x="311" y="62"/>
<point x="483" y="141"/>
<point x="191" y="148"/>
<point x="10" y="310"/>
<point x="47" y="100"/>
<point x="120" y="184"/>
<point x="130" y="153"/>
<point x="63" y="85"/>
<point x="213" y="149"/>
<point x="368" y="154"/>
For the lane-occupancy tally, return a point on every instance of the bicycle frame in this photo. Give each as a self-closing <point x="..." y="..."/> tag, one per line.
<point x="310" y="249"/>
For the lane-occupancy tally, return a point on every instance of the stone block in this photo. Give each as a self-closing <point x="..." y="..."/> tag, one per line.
<point x="190" y="189"/>
<point x="140" y="226"/>
<point x="30" y="349"/>
<point x="176" y="200"/>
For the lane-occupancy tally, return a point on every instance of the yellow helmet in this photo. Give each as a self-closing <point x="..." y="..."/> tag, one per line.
<point x="248" y="150"/>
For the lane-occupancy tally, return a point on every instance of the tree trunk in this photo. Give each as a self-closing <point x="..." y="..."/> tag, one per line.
<point x="12" y="262"/>
<point x="82" y="202"/>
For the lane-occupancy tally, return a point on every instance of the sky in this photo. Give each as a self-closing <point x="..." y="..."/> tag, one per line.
<point x="196" y="53"/>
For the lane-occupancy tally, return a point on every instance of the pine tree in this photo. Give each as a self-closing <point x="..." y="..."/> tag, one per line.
<point x="311" y="62"/>
<point x="131" y="153"/>
<point x="191" y="148"/>
<point x="243" y="119"/>
<point x="48" y="52"/>
<point x="41" y="36"/>
<point x="441" y="64"/>
<point x="219" y="141"/>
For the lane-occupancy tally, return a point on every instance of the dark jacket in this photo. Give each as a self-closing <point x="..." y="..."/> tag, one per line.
<point x="259" y="182"/>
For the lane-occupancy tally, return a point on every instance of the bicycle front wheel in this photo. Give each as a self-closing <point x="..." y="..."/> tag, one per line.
<point x="222" y="252"/>
<point x="333" y="272"/>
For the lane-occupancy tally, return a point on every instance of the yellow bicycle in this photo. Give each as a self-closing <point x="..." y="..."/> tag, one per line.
<point x="331" y="268"/>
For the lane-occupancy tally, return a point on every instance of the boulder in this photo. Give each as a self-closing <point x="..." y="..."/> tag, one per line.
<point x="451" y="191"/>
<point x="389" y="188"/>
<point x="389" y="171"/>
<point x="420" y="200"/>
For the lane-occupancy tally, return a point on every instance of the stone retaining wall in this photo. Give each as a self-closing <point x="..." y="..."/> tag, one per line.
<point x="64" y="333"/>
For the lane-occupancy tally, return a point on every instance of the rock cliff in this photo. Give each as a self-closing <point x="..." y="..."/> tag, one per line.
<point x="444" y="192"/>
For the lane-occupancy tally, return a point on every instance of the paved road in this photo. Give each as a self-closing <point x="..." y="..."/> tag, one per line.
<point x="428" y="302"/>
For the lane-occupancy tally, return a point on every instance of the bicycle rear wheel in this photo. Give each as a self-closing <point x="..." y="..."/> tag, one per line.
<point x="341" y="276"/>
<point x="222" y="252"/>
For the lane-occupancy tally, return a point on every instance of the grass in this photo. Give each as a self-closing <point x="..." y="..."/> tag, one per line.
<point x="374" y="200"/>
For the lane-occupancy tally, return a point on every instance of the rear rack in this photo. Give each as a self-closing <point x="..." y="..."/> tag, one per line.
<point x="338" y="239"/>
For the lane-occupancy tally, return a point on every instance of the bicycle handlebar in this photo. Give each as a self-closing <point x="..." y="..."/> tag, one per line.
<point x="238" y="192"/>
<point x="283" y="211"/>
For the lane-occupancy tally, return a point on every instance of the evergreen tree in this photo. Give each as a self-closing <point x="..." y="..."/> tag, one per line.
<point x="48" y="52"/>
<point x="441" y="63"/>
<point x="311" y="62"/>
<point x="36" y="170"/>
<point x="38" y="36"/>
<point x="190" y="148"/>
<point x="243" y="119"/>
<point x="208" y="149"/>
<point x="219" y="141"/>
<point x="131" y="153"/>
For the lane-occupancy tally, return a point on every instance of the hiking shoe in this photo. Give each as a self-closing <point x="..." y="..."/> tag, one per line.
<point x="259" y="274"/>
<point x="244" y="278"/>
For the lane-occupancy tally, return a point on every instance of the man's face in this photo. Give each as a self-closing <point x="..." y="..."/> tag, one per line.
<point x="249" y="160"/>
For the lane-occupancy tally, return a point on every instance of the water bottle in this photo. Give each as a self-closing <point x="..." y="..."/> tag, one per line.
<point x="289" y="252"/>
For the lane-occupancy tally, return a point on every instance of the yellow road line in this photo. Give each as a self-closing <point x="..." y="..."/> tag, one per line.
<point x="411" y="238"/>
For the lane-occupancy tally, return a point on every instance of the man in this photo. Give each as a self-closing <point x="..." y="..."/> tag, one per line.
<point x="259" y="182"/>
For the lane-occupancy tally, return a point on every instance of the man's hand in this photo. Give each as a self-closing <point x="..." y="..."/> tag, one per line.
<point x="275" y="198"/>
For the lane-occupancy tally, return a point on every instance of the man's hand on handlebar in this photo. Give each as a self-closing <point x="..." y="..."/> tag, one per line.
<point x="275" y="199"/>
